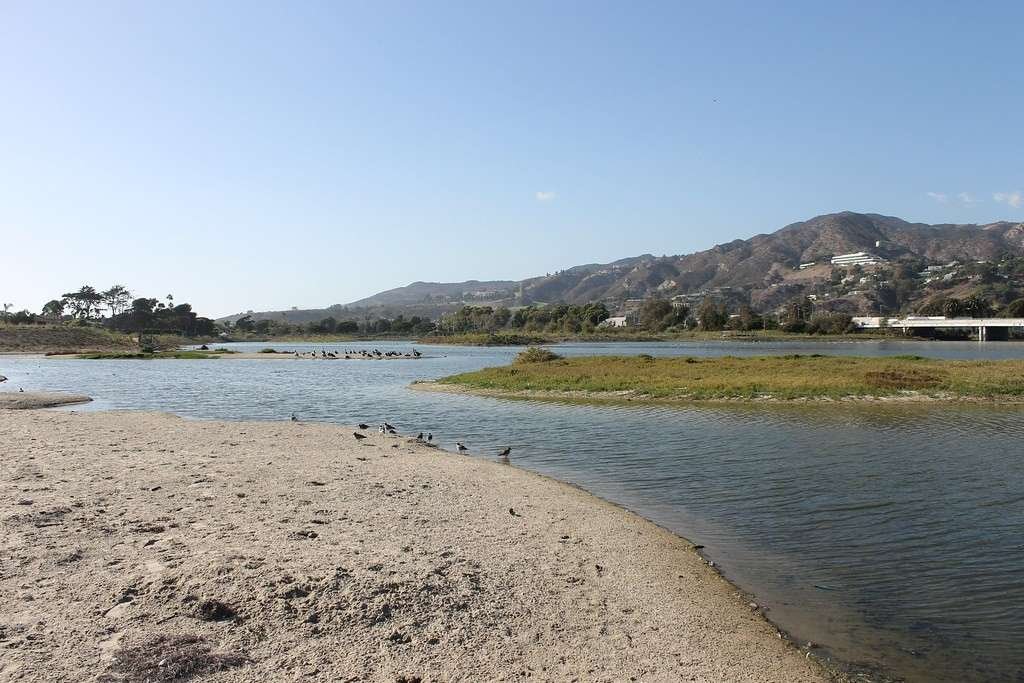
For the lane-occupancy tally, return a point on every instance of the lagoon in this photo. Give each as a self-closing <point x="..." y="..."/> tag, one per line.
<point x="892" y="536"/>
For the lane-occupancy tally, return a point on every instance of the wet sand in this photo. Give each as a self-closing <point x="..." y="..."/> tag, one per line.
<point x="250" y="355"/>
<point x="256" y="355"/>
<point x="25" y="400"/>
<point x="140" y="545"/>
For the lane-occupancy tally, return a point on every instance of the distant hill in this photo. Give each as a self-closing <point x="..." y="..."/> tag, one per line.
<point x="761" y="269"/>
<point x="429" y="292"/>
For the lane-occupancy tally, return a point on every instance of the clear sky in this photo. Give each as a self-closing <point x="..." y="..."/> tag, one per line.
<point x="266" y="155"/>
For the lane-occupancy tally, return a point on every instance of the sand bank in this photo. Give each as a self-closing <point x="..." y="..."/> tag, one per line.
<point x="238" y="355"/>
<point x="248" y="355"/>
<point x="141" y="544"/>
<point x="23" y="400"/>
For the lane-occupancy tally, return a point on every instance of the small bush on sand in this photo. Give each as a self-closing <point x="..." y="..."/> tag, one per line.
<point x="536" y="354"/>
<point x="171" y="658"/>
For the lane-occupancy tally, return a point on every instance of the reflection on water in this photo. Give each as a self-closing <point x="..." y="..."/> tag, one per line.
<point x="892" y="535"/>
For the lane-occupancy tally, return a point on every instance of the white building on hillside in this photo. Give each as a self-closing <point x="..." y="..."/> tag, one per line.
<point x="858" y="258"/>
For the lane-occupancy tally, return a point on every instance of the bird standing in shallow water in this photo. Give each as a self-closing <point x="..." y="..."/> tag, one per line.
<point x="294" y="419"/>
<point x="430" y="437"/>
<point x="504" y="453"/>
<point x="363" y="426"/>
<point x="461" y="448"/>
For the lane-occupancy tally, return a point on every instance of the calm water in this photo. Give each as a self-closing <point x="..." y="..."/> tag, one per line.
<point x="893" y="536"/>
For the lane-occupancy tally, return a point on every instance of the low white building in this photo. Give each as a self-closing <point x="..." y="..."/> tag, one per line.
<point x="615" y="321"/>
<point x="857" y="258"/>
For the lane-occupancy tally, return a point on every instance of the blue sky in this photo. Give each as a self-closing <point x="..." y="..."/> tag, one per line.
<point x="267" y="155"/>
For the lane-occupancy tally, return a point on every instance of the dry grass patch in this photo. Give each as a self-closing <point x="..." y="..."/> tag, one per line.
<point x="170" y="658"/>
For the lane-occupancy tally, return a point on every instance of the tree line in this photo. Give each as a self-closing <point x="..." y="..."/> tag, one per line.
<point x="117" y="309"/>
<point x="559" y="318"/>
<point x="397" y="326"/>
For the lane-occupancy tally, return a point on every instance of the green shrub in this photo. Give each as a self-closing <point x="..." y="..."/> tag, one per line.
<point x="536" y="354"/>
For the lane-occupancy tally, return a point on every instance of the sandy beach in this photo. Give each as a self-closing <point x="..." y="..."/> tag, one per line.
<point x="142" y="546"/>
<point x="257" y="355"/>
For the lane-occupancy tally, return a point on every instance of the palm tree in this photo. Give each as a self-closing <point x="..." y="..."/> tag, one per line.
<point x="977" y="307"/>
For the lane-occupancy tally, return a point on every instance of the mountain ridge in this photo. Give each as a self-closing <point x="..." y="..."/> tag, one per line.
<point x="742" y="269"/>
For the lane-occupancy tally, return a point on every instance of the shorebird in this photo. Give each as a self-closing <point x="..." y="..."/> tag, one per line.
<point x="389" y="426"/>
<point x="2" y="379"/>
<point x="504" y="453"/>
<point x="359" y="437"/>
<point x="382" y="429"/>
<point x="294" y="419"/>
<point x="419" y="437"/>
<point x="363" y="426"/>
<point x="430" y="437"/>
<point x="460" y="446"/>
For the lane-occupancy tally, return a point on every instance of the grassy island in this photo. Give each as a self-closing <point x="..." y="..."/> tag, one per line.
<point x="542" y="374"/>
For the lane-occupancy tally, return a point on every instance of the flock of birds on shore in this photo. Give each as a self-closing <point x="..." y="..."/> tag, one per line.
<point x="349" y="354"/>
<point x="386" y="428"/>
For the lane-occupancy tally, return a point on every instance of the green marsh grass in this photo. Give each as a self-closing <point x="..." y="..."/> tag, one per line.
<point x="761" y="377"/>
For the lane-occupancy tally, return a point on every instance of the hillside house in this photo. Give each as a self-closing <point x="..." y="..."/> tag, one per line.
<point x="857" y="258"/>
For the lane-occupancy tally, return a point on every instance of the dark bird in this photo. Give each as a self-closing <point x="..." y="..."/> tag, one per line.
<point x="430" y="437"/>
<point x="419" y="437"/>
<point x="363" y="426"/>
<point x="460" y="446"/>
<point x="2" y="379"/>
<point x="294" y="419"/>
<point x="359" y="437"/>
<point x="389" y="426"/>
<point x="504" y="453"/>
<point x="513" y="512"/>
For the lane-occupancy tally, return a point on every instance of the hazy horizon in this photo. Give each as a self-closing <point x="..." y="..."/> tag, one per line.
<point x="253" y="156"/>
